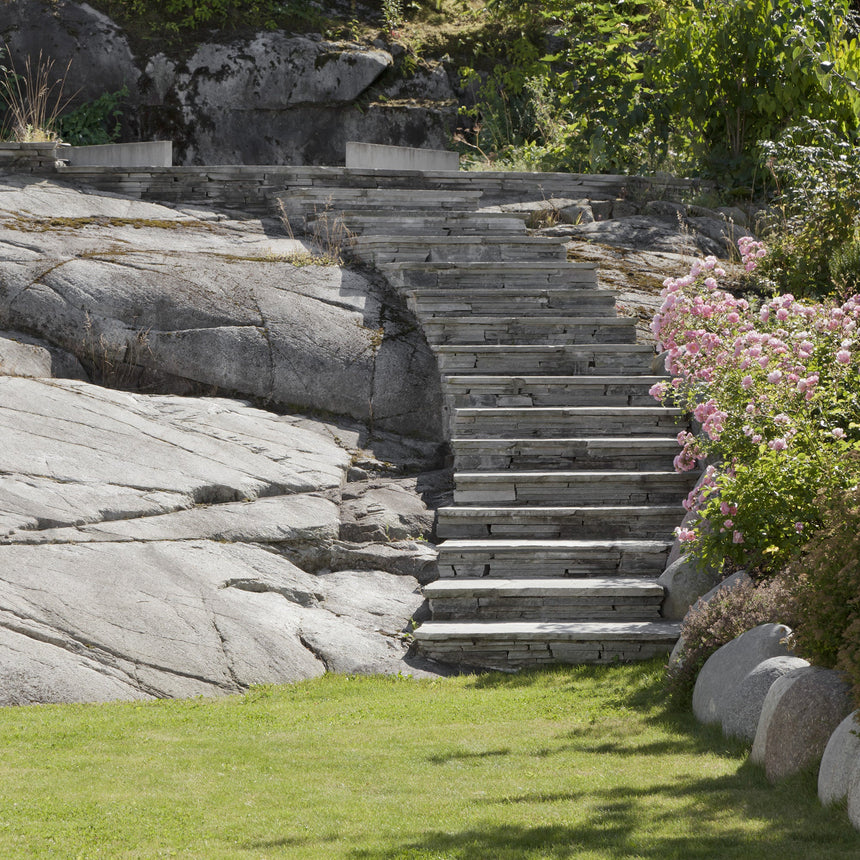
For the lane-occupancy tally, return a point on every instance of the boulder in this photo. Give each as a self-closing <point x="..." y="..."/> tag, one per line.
<point x="841" y="756"/>
<point x="98" y="53"/>
<point x="743" y="702"/>
<point x="727" y="667"/>
<point x="854" y="795"/>
<point x="640" y="232"/>
<point x="801" y="711"/>
<point x="740" y="577"/>
<point x="268" y="98"/>
<point x="684" y="582"/>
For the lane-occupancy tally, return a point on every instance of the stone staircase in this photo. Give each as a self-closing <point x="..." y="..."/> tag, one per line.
<point x="565" y="497"/>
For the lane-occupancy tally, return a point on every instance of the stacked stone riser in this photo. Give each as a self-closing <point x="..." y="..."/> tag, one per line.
<point x="431" y="304"/>
<point x="455" y="224"/>
<point x="516" y="330"/>
<point x="573" y="360"/>
<point x="549" y="421"/>
<point x="571" y="488"/>
<point x="550" y="608"/>
<point x="527" y="391"/>
<point x="501" y="645"/>
<point x="559" y="522"/>
<point x="513" y="276"/>
<point x="643" y="454"/>
<point x="558" y="559"/>
<point x="400" y="249"/>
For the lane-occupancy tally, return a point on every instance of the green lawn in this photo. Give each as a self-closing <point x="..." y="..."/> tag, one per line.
<point x="582" y="762"/>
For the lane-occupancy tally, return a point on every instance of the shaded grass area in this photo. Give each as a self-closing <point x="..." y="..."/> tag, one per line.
<point x="566" y="763"/>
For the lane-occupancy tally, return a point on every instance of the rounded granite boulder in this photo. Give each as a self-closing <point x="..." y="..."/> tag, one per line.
<point x="728" y="666"/>
<point x="841" y="757"/>
<point x="801" y="711"/>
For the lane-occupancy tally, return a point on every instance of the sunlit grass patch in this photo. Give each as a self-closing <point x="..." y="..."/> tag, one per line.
<point x="583" y="762"/>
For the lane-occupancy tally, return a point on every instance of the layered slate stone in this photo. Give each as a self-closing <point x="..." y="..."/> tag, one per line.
<point x="565" y="497"/>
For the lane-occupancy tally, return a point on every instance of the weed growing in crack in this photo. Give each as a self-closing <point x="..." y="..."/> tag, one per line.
<point x="327" y="231"/>
<point x="104" y="364"/>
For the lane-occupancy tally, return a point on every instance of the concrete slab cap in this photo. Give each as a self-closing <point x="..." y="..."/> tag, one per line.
<point x="373" y="155"/>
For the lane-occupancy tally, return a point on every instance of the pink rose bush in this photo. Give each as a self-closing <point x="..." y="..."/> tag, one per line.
<point x="774" y="387"/>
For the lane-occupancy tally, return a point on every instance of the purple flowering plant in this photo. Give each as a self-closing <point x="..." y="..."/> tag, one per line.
<point x="775" y="390"/>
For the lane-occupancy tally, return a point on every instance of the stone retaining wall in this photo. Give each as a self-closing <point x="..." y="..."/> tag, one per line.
<point x="252" y="188"/>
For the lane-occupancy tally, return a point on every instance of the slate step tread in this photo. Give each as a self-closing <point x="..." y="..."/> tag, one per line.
<point x="533" y="379"/>
<point x="537" y="631"/>
<point x="603" y="586"/>
<point x="547" y="546"/>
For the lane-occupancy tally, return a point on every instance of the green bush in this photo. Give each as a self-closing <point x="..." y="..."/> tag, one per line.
<point x="97" y="121"/>
<point x="169" y="19"/>
<point x="578" y="109"/>
<point x="824" y="584"/>
<point x="729" y="74"/>
<point x="817" y="169"/>
<point x="728" y="614"/>
<point x="845" y="268"/>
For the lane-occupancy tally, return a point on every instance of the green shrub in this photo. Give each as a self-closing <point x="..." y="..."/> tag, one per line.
<point x="728" y="614"/>
<point x="817" y="169"/>
<point x="729" y="74"/>
<point x="824" y="584"/>
<point x="845" y="268"/>
<point x="97" y="121"/>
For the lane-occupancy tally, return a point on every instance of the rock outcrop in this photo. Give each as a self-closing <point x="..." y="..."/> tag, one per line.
<point x="173" y="544"/>
<point x="146" y="294"/>
<point x="150" y="546"/>
<point x="271" y="98"/>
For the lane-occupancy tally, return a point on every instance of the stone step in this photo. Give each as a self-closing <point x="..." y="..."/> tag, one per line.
<point x="591" y="522"/>
<point x="512" y="644"/>
<point x="427" y="223"/>
<point x="595" y="599"/>
<point x="511" y="275"/>
<point x="529" y="330"/>
<point x="595" y="453"/>
<point x="431" y="303"/>
<point x="404" y="248"/>
<point x="551" y="359"/>
<point x="550" y="421"/>
<point x="543" y="559"/>
<point x="572" y="488"/>
<point x="317" y="199"/>
<point x="508" y="391"/>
